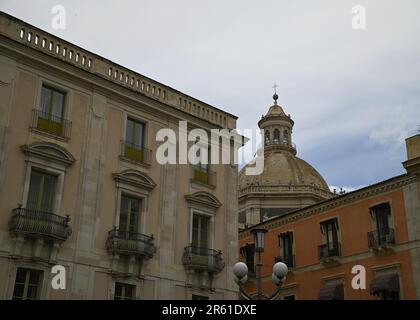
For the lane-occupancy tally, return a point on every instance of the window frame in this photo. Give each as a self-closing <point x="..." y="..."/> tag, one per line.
<point x="210" y="240"/>
<point x="142" y="142"/>
<point x="124" y="286"/>
<point x="26" y="283"/>
<point x="41" y="191"/>
<point x="54" y="89"/>
<point x="59" y="186"/>
<point x="128" y="223"/>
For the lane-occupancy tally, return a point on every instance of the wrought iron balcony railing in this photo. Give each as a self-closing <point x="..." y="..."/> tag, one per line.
<point x="289" y="260"/>
<point x="51" y="124"/>
<point x="328" y="251"/>
<point x="135" y="152"/>
<point x="202" y="175"/>
<point x="204" y="259"/>
<point x="39" y="224"/>
<point x="381" y="238"/>
<point x="130" y="243"/>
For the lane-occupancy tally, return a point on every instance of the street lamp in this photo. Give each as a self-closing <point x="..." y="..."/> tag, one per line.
<point x="240" y="271"/>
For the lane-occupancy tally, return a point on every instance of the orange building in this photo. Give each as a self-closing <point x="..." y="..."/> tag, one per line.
<point x="375" y="229"/>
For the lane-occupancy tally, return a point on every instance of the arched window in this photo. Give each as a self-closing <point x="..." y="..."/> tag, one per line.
<point x="286" y="137"/>
<point x="276" y="135"/>
<point x="267" y="136"/>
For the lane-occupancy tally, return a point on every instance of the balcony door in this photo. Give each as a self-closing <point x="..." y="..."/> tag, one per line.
<point x="129" y="215"/>
<point x="52" y="110"/>
<point x="286" y="242"/>
<point x="200" y="231"/>
<point x="382" y="213"/>
<point x="134" y="139"/>
<point x="201" y="169"/>
<point x="41" y="191"/>
<point x="330" y="229"/>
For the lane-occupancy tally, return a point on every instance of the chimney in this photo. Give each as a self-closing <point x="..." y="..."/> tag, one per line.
<point x="412" y="165"/>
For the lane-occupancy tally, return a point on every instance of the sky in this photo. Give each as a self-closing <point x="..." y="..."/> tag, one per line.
<point x="354" y="94"/>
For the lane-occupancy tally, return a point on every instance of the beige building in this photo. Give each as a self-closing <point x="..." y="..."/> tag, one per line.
<point x="80" y="186"/>
<point x="287" y="182"/>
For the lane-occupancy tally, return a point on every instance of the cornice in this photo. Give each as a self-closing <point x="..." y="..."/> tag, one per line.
<point x="322" y="207"/>
<point x="35" y="39"/>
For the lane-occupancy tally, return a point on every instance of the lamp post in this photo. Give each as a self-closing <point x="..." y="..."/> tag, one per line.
<point x="240" y="271"/>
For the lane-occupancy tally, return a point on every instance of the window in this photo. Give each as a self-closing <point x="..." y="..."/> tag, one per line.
<point x="134" y="140"/>
<point x="286" y="137"/>
<point x="276" y="135"/>
<point x="41" y="191"/>
<point x="381" y="214"/>
<point x="331" y="247"/>
<point x="267" y="136"/>
<point x="286" y="248"/>
<point x="124" y="291"/>
<point x="242" y="217"/>
<point x="383" y="234"/>
<point x="129" y="214"/>
<point x="200" y="231"/>
<point x="50" y="118"/>
<point x="248" y="252"/>
<point x="27" y="284"/>
<point x="330" y="228"/>
<point x="198" y="297"/>
<point x="201" y="170"/>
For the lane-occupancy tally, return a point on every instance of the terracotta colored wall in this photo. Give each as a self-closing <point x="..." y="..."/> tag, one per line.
<point x="354" y="224"/>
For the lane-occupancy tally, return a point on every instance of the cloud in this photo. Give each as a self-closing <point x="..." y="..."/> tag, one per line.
<point x="354" y="95"/>
<point x="391" y="132"/>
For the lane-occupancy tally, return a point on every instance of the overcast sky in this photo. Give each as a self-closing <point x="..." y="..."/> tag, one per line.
<point x="354" y="94"/>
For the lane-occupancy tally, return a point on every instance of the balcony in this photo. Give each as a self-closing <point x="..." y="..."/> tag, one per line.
<point x="381" y="239"/>
<point x="329" y="253"/>
<point x="51" y="124"/>
<point x="203" y="259"/>
<point x="289" y="260"/>
<point x="135" y="153"/>
<point x="41" y="224"/>
<point x="130" y="243"/>
<point x="203" y="176"/>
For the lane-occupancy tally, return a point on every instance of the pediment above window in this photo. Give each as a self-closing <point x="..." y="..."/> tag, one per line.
<point x="50" y="152"/>
<point x="202" y="198"/>
<point x="135" y="178"/>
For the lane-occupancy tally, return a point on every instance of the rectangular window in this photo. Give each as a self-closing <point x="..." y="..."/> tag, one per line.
<point x="250" y="257"/>
<point x="201" y="170"/>
<point x="27" y="284"/>
<point x="41" y="191"/>
<point x="129" y="214"/>
<point x="383" y="233"/>
<point x="330" y="230"/>
<point x="242" y="217"/>
<point x="52" y="110"/>
<point x="134" y="140"/>
<point x="124" y="291"/>
<point x="286" y="244"/>
<point x="382" y="212"/>
<point x="200" y="231"/>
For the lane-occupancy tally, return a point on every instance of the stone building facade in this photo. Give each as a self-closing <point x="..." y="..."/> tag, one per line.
<point x="375" y="229"/>
<point x="80" y="185"/>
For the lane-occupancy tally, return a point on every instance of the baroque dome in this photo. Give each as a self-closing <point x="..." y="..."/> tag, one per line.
<point x="287" y="182"/>
<point x="283" y="168"/>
